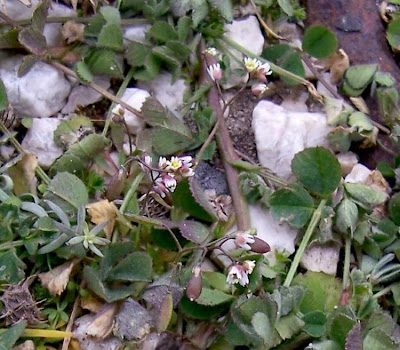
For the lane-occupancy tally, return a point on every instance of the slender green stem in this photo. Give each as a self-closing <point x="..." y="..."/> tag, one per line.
<point x="131" y="192"/>
<point x="300" y="251"/>
<point x="346" y="265"/>
<point x="384" y="291"/>
<point x="39" y="171"/>
<point x="121" y="90"/>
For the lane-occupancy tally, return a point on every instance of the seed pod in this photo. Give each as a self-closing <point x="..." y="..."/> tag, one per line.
<point x="259" y="246"/>
<point x="195" y="285"/>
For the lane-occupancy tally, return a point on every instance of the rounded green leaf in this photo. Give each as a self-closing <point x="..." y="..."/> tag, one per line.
<point x="319" y="41"/>
<point x="393" y="34"/>
<point x="318" y="170"/>
<point x="292" y="204"/>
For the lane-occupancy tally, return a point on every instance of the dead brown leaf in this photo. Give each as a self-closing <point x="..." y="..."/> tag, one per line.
<point x="73" y="31"/>
<point x="340" y="62"/>
<point x="102" y="324"/>
<point x="57" y="279"/>
<point x="360" y="104"/>
<point x="103" y="211"/>
<point x="23" y="174"/>
<point x="91" y="303"/>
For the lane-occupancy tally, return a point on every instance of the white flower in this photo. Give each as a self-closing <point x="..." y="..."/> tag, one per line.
<point x="215" y="72"/>
<point x="237" y="274"/>
<point x="251" y="64"/>
<point x="186" y="169"/>
<point x="265" y="69"/>
<point x="258" y="89"/>
<point x="249" y="266"/>
<point x="174" y="164"/>
<point x="242" y="240"/>
<point x="162" y="163"/>
<point x="147" y="163"/>
<point x="186" y="161"/>
<point x="211" y="51"/>
<point x="186" y="172"/>
<point x="169" y="182"/>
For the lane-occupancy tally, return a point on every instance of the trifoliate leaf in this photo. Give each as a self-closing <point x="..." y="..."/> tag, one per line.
<point x="360" y="76"/>
<point x="365" y="194"/>
<point x="83" y="72"/>
<point x="347" y="216"/>
<point x="162" y="31"/>
<point x="110" y="37"/>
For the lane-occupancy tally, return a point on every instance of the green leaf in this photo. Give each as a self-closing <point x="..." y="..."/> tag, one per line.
<point x="315" y="323"/>
<point x="365" y="194"/>
<point x="162" y="31"/>
<point x="110" y="37"/>
<point x="289" y="325"/>
<point x="27" y="62"/>
<point x="9" y="39"/>
<point x="11" y="267"/>
<point x="183" y="27"/>
<point x="184" y="199"/>
<point x="169" y="141"/>
<point x="83" y="72"/>
<point x="261" y="325"/>
<point x="33" y="40"/>
<point x="201" y="312"/>
<point x="347" y="216"/>
<point x="286" y="57"/>
<point x="348" y="90"/>
<point x="394" y="208"/>
<point x="360" y="76"/>
<point x="213" y="297"/>
<point x="110" y="14"/>
<point x="384" y="79"/>
<point x="378" y="339"/>
<point x="393" y="34"/>
<point x="224" y="7"/>
<point x="193" y="231"/>
<point x="11" y="335"/>
<point x="104" y="61"/>
<point x="93" y="28"/>
<point x="165" y="314"/>
<point x="67" y="191"/>
<point x="200" y="12"/>
<point x="318" y="170"/>
<point x="323" y="291"/>
<point x="103" y="291"/>
<point x="179" y="50"/>
<point x="137" y="53"/>
<point x="286" y="7"/>
<point x="340" y="139"/>
<point x="340" y="324"/>
<point x="3" y="97"/>
<point x="39" y="15"/>
<point x="137" y="266"/>
<point x="319" y="41"/>
<point x="292" y="204"/>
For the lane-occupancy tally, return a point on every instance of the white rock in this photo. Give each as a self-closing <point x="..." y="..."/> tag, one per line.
<point x="320" y="258"/>
<point x="247" y="33"/>
<point x="6" y="152"/>
<point x="280" y="134"/>
<point x="134" y="97"/>
<point x="135" y="33"/>
<point x="39" y="140"/>
<point x="18" y="11"/>
<point x="41" y="92"/>
<point x="170" y="95"/>
<point x="358" y="174"/>
<point x="347" y="162"/>
<point x="297" y="103"/>
<point x="83" y="95"/>
<point x="280" y="236"/>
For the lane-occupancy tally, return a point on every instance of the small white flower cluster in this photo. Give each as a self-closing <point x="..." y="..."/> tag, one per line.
<point x="260" y="71"/>
<point x="168" y="172"/>
<point x="239" y="273"/>
<point x="243" y="240"/>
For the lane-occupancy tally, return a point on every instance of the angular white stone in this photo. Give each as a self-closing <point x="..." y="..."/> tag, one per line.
<point x="83" y="95"/>
<point x="247" y="33"/>
<point x="169" y="94"/>
<point x="39" y="140"/>
<point x="319" y="258"/>
<point x="347" y="162"/>
<point x="41" y="92"/>
<point x="358" y="174"/>
<point x="18" y="11"/>
<point x="280" y="134"/>
<point x="134" y="97"/>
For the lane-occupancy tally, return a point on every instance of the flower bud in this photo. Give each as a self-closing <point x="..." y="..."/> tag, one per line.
<point x="195" y="285"/>
<point x="259" y="246"/>
<point x="258" y="89"/>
